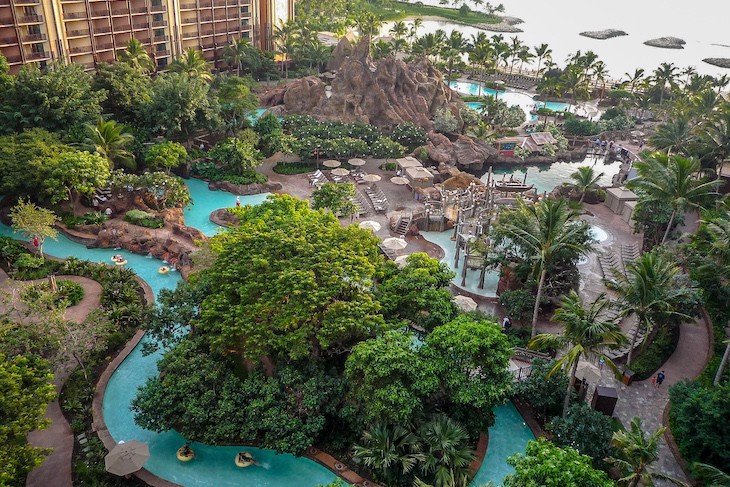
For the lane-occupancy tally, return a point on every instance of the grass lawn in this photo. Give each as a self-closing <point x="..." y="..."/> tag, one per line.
<point x="402" y="10"/>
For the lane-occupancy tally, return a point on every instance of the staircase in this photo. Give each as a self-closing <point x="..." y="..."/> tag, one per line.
<point x="404" y="223"/>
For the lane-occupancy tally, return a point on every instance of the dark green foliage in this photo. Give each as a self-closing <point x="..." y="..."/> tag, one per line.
<point x="55" y="98"/>
<point x="201" y="398"/>
<point x="409" y="135"/>
<point x="585" y="429"/>
<point x="545" y="394"/>
<point x="90" y="218"/>
<point x="517" y="303"/>
<point x="211" y="172"/>
<point x="385" y="147"/>
<point x="144" y="219"/>
<point x="128" y="90"/>
<point x="69" y="293"/>
<point x="660" y="349"/>
<point x="337" y="198"/>
<point x="576" y="126"/>
<point x="293" y="167"/>
<point x="237" y="155"/>
<point x="158" y="189"/>
<point x="700" y="421"/>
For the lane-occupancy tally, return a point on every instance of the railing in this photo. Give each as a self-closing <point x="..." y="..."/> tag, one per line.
<point x="34" y="37"/>
<point x="14" y="59"/>
<point x="99" y="13"/>
<point x="529" y="355"/>
<point x="102" y="30"/>
<point x="140" y="26"/>
<point x="77" y="33"/>
<point x="31" y="19"/>
<point x="74" y="15"/>
<point x="188" y="6"/>
<point x="39" y="55"/>
<point x="4" y="3"/>
<point x="8" y="40"/>
<point x="161" y="38"/>
<point x="157" y="8"/>
<point x="80" y="50"/>
<point x="159" y="23"/>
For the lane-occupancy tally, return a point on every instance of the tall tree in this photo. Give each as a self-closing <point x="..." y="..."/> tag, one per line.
<point x="238" y="53"/>
<point x="128" y="91"/>
<point x="665" y="75"/>
<point x="34" y="222"/>
<point x="110" y="140"/>
<point x="76" y="173"/>
<point x="635" y="452"/>
<point x="635" y="78"/>
<point x="586" y="334"/>
<point x="585" y="179"/>
<point x="673" y="180"/>
<point x="446" y="452"/>
<point x="192" y="63"/>
<point x="543" y="231"/>
<point x="135" y="55"/>
<point x="648" y="290"/>
<point x="542" y="51"/>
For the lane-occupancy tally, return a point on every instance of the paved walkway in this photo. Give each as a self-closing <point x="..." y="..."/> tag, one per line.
<point x="55" y="471"/>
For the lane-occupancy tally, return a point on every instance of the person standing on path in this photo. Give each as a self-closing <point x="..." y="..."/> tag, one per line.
<point x="660" y="378"/>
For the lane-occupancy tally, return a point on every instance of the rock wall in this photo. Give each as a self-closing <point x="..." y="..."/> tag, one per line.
<point x="383" y="93"/>
<point x="464" y="152"/>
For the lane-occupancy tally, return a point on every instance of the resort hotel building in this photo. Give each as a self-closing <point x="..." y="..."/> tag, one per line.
<point x="92" y="31"/>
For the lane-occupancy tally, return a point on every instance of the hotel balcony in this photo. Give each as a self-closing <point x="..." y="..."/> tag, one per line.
<point x="73" y="34"/>
<point x="35" y="56"/>
<point x="30" y="19"/>
<point x="4" y="3"/>
<point x="8" y="41"/>
<point x="74" y="15"/>
<point x="30" y="38"/>
<point x="184" y="6"/>
<point x="15" y="59"/>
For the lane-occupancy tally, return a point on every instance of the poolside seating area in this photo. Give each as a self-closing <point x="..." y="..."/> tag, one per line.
<point x="317" y="178"/>
<point x="377" y="198"/>
<point x="518" y="81"/>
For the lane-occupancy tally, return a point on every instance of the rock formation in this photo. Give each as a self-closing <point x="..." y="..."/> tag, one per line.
<point x="383" y="93"/>
<point x="720" y="62"/>
<point x="602" y="35"/>
<point x="463" y="152"/>
<point x="666" y="43"/>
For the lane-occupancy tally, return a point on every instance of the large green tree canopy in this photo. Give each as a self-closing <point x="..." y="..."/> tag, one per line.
<point x="291" y="281"/>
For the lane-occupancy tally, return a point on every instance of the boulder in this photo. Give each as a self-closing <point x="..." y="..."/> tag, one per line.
<point x="304" y="95"/>
<point x="342" y="51"/>
<point x="603" y="34"/>
<point x="245" y="189"/>
<point x="463" y="152"/>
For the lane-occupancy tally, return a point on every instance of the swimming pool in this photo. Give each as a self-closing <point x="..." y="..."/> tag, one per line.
<point x="511" y="98"/>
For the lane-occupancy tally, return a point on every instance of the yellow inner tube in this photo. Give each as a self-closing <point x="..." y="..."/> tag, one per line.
<point x="185" y="458"/>
<point x="243" y="463"/>
<point x="121" y="262"/>
<point x="163" y="270"/>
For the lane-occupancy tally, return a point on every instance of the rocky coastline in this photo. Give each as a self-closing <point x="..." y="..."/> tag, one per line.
<point x="602" y="35"/>
<point x="507" y="25"/>
<point x="666" y="43"/>
<point x="720" y="62"/>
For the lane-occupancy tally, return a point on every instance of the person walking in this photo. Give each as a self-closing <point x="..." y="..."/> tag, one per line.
<point x="659" y="378"/>
<point x="506" y="324"/>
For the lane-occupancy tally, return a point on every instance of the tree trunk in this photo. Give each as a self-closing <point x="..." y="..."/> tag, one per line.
<point x="582" y="197"/>
<point x="571" y="383"/>
<point x="633" y="342"/>
<point x="723" y="364"/>
<point x="536" y="309"/>
<point x="669" y="225"/>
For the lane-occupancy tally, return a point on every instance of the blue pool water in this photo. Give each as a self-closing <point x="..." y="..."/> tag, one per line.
<point x="214" y="465"/>
<point x="256" y="114"/>
<point x="511" y="98"/>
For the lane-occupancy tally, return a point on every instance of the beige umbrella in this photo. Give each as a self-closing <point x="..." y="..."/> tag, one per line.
<point x="401" y="260"/>
<point x="588" y="372"/>
<point x="340" y="171"/>
<point x="465" y="303"/>
<point x="371" y="178"/>
<point x="331" y="163"/>
<point x="370" y="225"/>
<point x="356" y="162"/>
<point x="399" y="180"/>
<point x="395" y="243"/>
<point x="126" y="458"/>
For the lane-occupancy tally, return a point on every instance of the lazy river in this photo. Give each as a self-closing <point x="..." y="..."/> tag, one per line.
<point x="214" y="465"/>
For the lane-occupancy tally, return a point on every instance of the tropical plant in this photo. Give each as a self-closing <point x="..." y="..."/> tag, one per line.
<point x="192" y="63"/>
<point x="672" y="179"/>
<point x="446" y="452"/>
<point x="635" y="452"/>
<point x="585" y="179"/>
<point x="390" y="452"/>
<point x="665" y="74"/>
<point x="136" y="56"/>
<point x="712" y="475"/>
<point x="110" y="140"/>
<point x="586" y="335"/>
<point x="34" y="222"/>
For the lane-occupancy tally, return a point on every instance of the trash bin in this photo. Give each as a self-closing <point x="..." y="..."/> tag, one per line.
<point x="628" y="377"/>
<point x="604" y="400"/>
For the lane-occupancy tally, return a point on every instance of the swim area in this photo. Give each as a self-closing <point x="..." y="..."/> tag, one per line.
<point x="214" y="465"/>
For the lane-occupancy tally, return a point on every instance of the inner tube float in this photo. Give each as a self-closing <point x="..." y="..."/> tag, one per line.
<point x="120" y="262"/>
<point x="163" y="270"/>
<point x="117" y="258"/>
<point x="182" y="456"/>
<point x="244" y="459"/>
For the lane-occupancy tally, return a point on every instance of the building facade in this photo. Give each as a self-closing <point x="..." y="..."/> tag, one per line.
<point x="91" y="31"/>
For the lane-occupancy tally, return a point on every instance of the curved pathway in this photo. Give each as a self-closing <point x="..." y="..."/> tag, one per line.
<point x="56" y="467"/>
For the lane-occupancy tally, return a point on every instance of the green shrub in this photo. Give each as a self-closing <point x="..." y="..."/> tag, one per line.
<point x="384" y="147"/>
<point x="144" y="219"/>
<point x="211" y="172"/>
<point x="658" y="351"/>
<point x="545" y="394"/>
<point x="517" y="303"/>
<point x="90" y="218"/>
<point x="293" y="167"/>
<point x="69" y="293"/>
<point x="444" y="121"/>
<point x="585" y="429"/>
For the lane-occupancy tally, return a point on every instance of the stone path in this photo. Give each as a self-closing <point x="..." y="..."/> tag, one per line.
<point x="56" y="468"/>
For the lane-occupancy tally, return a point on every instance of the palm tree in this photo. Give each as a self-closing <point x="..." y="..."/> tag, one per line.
<point x="689" y="71"/>
<point x="542" y="51"/>
<point x="481" y="55"/>
<point x="584" y="179"/>
<point x="515" y="47"/>
<point x="713" y="476"/>
<point x="283" y="43"/>
<point x="635" y="453"/>
<point x="136" y="56"/>
<point x="193" y="64"/>
<point x="544" y="230"/>
<point x="715" y="135"/>
<point x="600" y="73"/>
<point x="648" y="290"/>
<point x="672" y="179"/>
<point x="635" y="78"/>
<point x="389" y="451"/>
<point x="237" y="53"/>
<point x="454" y="47"/>
<point x="673" y="135"/>
<point x="585" y="335"/>
<point x="665" y="74"/>
<point x="417" y="23"/>
<point x="110" y="139"/>
<point x="446" y="452"/>
<point x="399" y="30"/>
<point x="574" y="82"/>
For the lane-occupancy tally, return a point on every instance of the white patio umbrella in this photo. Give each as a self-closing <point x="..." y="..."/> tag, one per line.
<point x="370" y="225"/>
<point x="371" y="178"/>
<point x="401" y="260"/>
<point x="356" y="162"/>
<point x="588" y="372"/>
<point x="465" y="303"/>
<point x="126" y="458"/>
<point x="340" y="171"/>
<point x="399" y="180"/>
<point x="331" y="163"/>
<point x="395" y="243"/>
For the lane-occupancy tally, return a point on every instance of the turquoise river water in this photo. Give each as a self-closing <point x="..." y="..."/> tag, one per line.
<point x="214" y="465"/>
